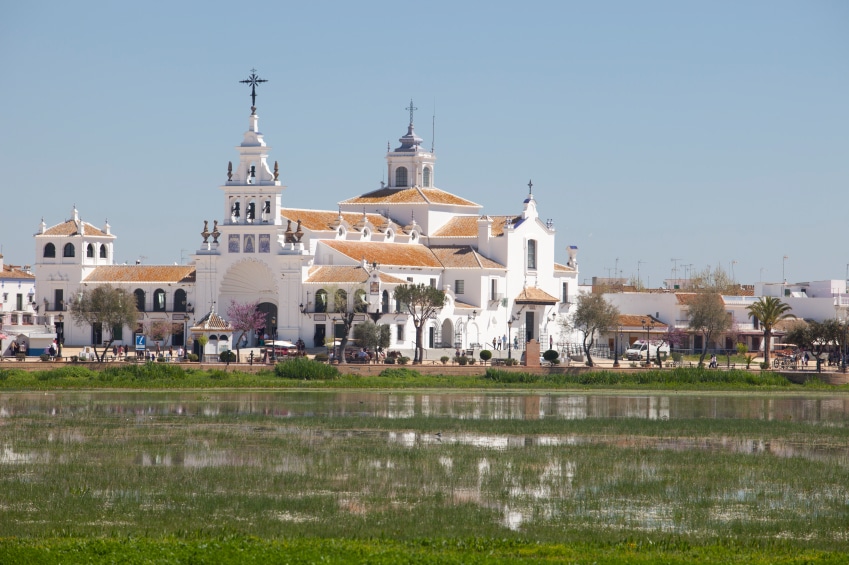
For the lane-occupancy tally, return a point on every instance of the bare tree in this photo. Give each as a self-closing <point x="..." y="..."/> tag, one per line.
<point x="707" y="315"/>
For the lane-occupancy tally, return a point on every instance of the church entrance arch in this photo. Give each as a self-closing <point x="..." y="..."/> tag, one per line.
<point x="447" y="333"/>
<point x="251" y="281"/>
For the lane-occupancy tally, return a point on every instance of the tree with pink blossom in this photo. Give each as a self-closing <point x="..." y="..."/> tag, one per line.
<point x="245" y="317"/>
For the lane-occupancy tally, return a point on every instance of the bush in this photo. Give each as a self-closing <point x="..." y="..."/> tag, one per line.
<point x="471" y="360"/>
<point x="400" y="373"/>
<point x="462" y="360"/>
<point x="321" y="357"/>
<point x="306" y="369"/>
<point x="227" y="356"/>
<point x="403" y="360"/>
<point x="389" y="360"/>
<point x="485" y="355"/>
<point x="444" y="359"/>
<point x="44" y="357"/>
<point x="20" y="356"/>
<point x="193" y="357"/>
<point x="551" y="356"/>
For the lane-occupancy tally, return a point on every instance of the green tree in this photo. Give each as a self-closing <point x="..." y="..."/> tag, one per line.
<point x="372" y="336"/>
<point x="593" y="315"/>
<point x="108" y="307"/>
<point x="707" y="315"/>
<point x="343" y="314"/>
<point x="421" y="302"/>
<point x="769" y="310"/>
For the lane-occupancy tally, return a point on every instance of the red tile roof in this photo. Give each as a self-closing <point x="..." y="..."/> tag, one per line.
<point x="467" y="226"/>
<point x="14" y="272"/>
<point x="409" y="196"/>
<point x="636" y="321"/>
<point x="534" y="295"/>
<point x="70" y="228"/>
<point x="346" y="274"/>
<point x="397" y="254"/>
<point x="142" y="274"/>
<point x="325" y="220"/>
<point x="462" y="257"/>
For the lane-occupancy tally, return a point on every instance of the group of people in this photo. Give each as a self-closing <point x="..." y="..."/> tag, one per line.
<point x="499" y="343"/>
<point x="16" y="348"/>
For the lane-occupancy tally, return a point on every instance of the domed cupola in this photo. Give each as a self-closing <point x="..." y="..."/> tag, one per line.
<point x="409" y="164"/>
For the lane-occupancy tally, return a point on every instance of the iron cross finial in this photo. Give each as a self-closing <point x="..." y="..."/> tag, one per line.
<point x="253" y="81"/>
<point x="530" y="187"/>
<point x="412" y="109"/>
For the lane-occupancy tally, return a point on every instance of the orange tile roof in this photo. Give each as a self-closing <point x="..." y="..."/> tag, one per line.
<point x="636" y="321"/>
<point x="685" y="299"/>
<point x="346" y="274"/>
<point x="534" y="295"/>
<point x="467" y="226"/>
<point x="567" y="268"/>
<point x="14" y="272"/>
<point x="325" y="220"/>
<point x="462" y="257"/>
<point x="212" y="321"/>
<point x="409" y="196"/>
<point x="70" y="228"/>
<point x="142" y="274"/>
<point x="399" y="254"/>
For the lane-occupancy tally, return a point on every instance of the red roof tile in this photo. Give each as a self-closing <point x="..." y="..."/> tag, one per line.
<point x="142" y="274"/>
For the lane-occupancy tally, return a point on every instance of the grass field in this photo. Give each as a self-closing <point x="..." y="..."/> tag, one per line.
<point x="200" y="476"/>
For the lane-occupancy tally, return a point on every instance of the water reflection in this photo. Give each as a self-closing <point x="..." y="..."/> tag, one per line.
<point x="463" y="406"/>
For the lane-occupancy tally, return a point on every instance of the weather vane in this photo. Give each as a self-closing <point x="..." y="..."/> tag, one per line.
<point x="253" y="81"/>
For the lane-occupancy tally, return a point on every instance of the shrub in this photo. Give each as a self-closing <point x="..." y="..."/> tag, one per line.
<point x="462" y="360"/>
<point x="44" y="357"/>
<point x="400" y="373"/>
<point x="471" y="360"/>
<point x="307" y="369"/>
<point x="403" y="360"/>
<point x="20" y="356"/>
<point x="444" y="359"/>
<point x="511" y="361"/>
<point x="321" y="357"/>
<point x="227" y="356"/>
<point x="551" y="355"/>
<point x="389" y="360"/>
<point x="193" y="357"/>
<point x="485" y="355"/>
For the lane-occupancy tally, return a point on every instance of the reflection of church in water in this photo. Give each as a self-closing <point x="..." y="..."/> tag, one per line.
<point x="498" y="272"/>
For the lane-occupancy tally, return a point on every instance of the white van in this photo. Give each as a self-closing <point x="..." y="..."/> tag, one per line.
<point x="638" y="350"/>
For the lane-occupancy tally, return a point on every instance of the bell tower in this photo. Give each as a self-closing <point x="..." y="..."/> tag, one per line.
<point x="410" y="165"/>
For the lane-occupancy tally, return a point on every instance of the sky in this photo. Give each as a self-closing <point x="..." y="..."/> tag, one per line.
<point x="659" y="135"/>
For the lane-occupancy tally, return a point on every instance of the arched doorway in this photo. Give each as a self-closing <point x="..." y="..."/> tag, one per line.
<point x="447" y="333"/>
<point x="270" y="312"/>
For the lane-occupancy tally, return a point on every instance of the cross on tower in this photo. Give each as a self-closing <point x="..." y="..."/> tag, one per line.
<point x="253" y="81"/>
<point x="530" y="187"/>
<point x="411" y="108"/>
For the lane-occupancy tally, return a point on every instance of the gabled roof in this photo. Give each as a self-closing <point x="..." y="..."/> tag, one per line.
<point x="325" y="220"/>
<point x="397" y="254"/>
<point x="467" y="226"/>
<point x="636" y="321"/>
<point x="14" y="272"/>
<point x="409" y="196"/>
<point x="142" y="274"/>
<point x="212" y="321"/>
<point x="563" y="268"/>
<point x="462" y="257"/>
<point x="346" y="274"/>
<point x="534" y="295"/>
<point x="685" y="298"/>
<point x="69" y="228"/>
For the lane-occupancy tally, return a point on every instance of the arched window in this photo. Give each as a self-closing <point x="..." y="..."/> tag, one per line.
<point x="426" y="176"/>
<point x="159" y="300"/>
<point x="401" y="176"/>
<point x="89" y="251"/>
<point x="103" y="252"/>
<point x="360" y="301"/>
<point x="139" y="293"/>
<point x="340" y="302"/>
<point x="180" y="300"/>
<point x="250" y="213"/>
<point x="50" y="250"/>
<point x="384" y="303"/>
<point x="69" y="250"/>
<point x="532" y="254"/>
<point x="321" y="300"/>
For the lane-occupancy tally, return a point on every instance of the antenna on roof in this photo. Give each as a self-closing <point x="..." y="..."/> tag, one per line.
<point x="433" y="127"/>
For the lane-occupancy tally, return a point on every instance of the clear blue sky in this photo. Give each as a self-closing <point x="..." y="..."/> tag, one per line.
<point x="708" y="132"/>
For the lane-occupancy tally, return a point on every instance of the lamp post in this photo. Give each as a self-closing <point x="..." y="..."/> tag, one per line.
<point x="509" y="337"/>
<point x="648" y="325"/>
<point x="60" y="334"/>
<point x="616" y="346"/>
<point x="273" y="331"/>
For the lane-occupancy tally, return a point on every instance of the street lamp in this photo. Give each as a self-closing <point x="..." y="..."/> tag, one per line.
<point x="60" y="334"/>
<point x="616" y="346"/>
<point x="273" y="331"/>
<point x="648" y="325"/>
<point x="509" y="337"/>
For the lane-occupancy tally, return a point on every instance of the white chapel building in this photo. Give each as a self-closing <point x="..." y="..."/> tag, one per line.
<point x="498" y="272"/>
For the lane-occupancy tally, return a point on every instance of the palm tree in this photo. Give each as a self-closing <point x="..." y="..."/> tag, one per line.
<point x="769" y="310"/>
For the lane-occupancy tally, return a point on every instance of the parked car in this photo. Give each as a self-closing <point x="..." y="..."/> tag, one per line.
<point x="638" y="349"/>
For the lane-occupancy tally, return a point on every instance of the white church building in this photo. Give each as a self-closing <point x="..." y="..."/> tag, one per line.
<point x="498" y="272"/>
